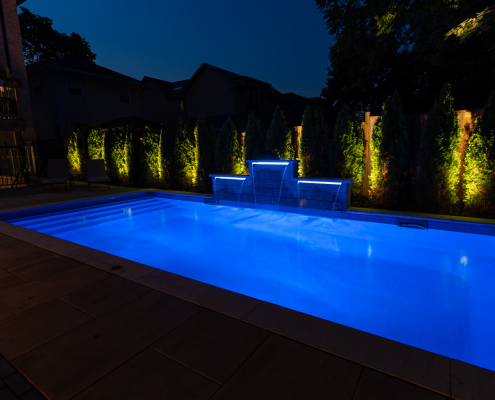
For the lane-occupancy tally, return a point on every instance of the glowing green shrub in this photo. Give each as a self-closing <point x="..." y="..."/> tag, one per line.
<point x="73" y="153"/>
<point x="151" y="158"/>
<point x="439" y="179"/>
<point x="205" y="151"/>
<point x="479" y="163"/>
<point x="347" y="156"/>
<point x="279" y="138"/>
<point x="167" y="145"/>
<point x="313" y="144"/>
<point x="185" y="156"/>
<point x="389" y="144"/>
<point x="255" y="139"/>
<point x="228" y="152"/>
<point x="96" y="144"/>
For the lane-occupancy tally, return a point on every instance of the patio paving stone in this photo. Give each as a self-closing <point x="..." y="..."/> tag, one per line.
<point x="470" y="382"/>
<point x="151" y="375"/>
<point x="7" y="394"/>
<point x="7" y="280"/>
<point x="375" y="385"/>
<point x="410" y="363"/>
<point x="32" y="294"/>
<point x="284" y="369"/>
<point x="106" y="295"/>
<point x="66" y="366"/>
<point x="18" y="384"/>
<point x="16" y="253"/>
<point x="213" y="344"/>
<point x="32" y="328"/>
<point x="38" y="269"/>
<point x="5" y="369"/>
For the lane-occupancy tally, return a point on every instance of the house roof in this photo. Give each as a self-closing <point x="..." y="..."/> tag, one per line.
<point x="169" y="88"/>
<point x="19" y="2"/>
<point x="122" y="122"/>
<point x="77" y="64"/>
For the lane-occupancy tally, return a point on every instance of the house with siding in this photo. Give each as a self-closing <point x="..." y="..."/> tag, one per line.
<point x="16" y="119"/>
<point x="71" y="91"/>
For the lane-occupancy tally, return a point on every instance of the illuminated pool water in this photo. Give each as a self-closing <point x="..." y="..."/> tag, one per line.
<point x="431" y="289"/>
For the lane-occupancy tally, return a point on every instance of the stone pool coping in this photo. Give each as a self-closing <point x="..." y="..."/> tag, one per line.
<point x="444" y="375"/>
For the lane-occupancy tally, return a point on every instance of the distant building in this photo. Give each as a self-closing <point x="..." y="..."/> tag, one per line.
<point x="71" y="91"/>
<point x="16" y="120"/>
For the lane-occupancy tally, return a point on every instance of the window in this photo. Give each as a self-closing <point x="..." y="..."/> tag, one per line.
<point x="37" y="87"/>
<point x="125" y="96"/>
<point x="74" y="87"/>
<point x="181" y="105"/>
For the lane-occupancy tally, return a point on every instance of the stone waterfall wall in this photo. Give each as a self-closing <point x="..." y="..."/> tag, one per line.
<point x="269" y="191"/>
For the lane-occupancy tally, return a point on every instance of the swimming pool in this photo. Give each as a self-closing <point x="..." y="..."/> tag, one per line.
<point x="426" y="288"/>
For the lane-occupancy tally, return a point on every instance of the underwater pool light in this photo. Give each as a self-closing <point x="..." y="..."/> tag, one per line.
<point x="228" y="177"/>
<point x="272" y="163"/>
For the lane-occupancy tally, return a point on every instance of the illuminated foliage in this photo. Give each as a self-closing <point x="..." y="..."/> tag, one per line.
<point x="479" y="175"/>
<point x="167" y="144"/>
<point x="313" y="144"/>
<point x="228" y="153"/>
<point x="205" y="151"/>
<point x="255" y="139"/>
<point x="185" y="156"/>
<point x="73" y="153"/>
<point x="347" y="157"/>
<point x="279" y="138"/>
<point x="150" y="158"/>
<point x="389" y="144"/>
<point x="439" y="179"/>
<point x="96" y="144"/>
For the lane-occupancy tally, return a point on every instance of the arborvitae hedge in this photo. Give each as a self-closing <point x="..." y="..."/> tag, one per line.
<point x="150" y="158"/>
<point x="347" y="156"/>
<point x="313" y="144"/>
<point x="206" y="146"/>
<point x="479" y="176"/>
<point x="96" y="144"/>
<point x="185" y="156"/>
<point x="228" y="153"/>
<point x="167" y="146"/>
<point x="255" y="139"/>
<point x="391" y="139"/>
<point x="439" y="178"/>
<point x="279" y="138"/>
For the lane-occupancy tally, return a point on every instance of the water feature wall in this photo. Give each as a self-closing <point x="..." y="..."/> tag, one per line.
<point x="275" y="185"/>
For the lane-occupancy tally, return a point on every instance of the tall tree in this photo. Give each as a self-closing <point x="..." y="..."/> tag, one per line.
<point x="41" y="42"/>
<point x="405" y="45"/>
<point x="479" y="175"/>
<point x="255" y="139"/>
<point x="228" y="153"/>
<point x="313" y="144"/>
<point x="150" y="157"/>
<point x="391" y="141"/>
<point x="279" y="138"/>
<point x="440" y="158"/>
<point x="167" y="146"/>
<point x="185" y="156"/>
<point x="347" y="156"/>
<point x="206" y="145"/>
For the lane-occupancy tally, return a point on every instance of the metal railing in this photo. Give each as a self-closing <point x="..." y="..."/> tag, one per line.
<point x="17" y="164"/>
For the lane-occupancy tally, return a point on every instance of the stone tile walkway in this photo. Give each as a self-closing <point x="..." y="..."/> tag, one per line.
<point x="74" y="331"/>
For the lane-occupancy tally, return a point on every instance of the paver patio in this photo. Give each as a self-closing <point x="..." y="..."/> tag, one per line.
<point x="73" y="330"/>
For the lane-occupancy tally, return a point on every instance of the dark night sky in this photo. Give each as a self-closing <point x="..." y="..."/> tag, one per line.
<point x="282" y="42"/>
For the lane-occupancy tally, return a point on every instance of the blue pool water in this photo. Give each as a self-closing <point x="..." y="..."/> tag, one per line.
<point x="429" y="289"/>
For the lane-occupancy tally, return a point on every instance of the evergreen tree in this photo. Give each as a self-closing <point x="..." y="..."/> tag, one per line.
<point x="185" y="156"/>
<point x="313" y="144"/>
<point x="439" y="178"/>
<point x="228" y="154"/>
<point x="206" y="145"/>
<point x="96" y="144"/>
<point x="323" y="145"/>
<point x="392" y="141"/>
<point x="132" y="147"/>
<point x="150" y="158"/>
<point x="167" y="146"/>
<point x="109" y="161"/>
<point x="255" y="139"/>
<point x="479" y="175"/>
<point x="377" y="161"/>
<point x="279" y="138"/>
<point x="348" y="160"/>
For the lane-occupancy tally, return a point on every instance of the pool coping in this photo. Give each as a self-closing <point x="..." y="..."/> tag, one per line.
<point x="430" y="370"/>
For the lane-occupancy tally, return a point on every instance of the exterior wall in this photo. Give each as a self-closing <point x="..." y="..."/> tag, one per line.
<point x="55" y="109"/>
<point x="210" y="94"/>
<point x="272" y="189"/>
<point x="16" y="57"/>
<point x="158" y="108"/>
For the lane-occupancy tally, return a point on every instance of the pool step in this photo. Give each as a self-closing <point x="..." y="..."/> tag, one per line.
<point x="85" y="222"/>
